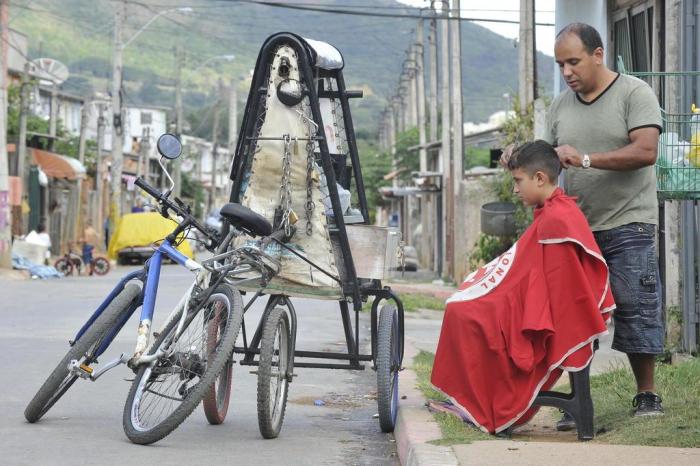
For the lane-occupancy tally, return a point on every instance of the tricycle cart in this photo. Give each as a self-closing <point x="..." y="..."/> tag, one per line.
<point x="296" y="164"/>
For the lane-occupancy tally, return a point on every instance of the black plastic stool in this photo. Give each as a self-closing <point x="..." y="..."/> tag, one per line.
<point x="578" y="403"/>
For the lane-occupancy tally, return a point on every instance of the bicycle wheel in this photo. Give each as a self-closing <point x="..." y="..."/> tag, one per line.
<point x="388" y="365"/>
<point x="216" y="399"/>
<point x="273" y="382"/>
<point x="166" y="392"/>
<point x="64" y="266"/>
<point x="61" y="379"/>
<point x="100" y="266"/>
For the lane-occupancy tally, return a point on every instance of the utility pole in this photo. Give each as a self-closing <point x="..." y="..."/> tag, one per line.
<point x="177" y="168"/>
<point x="81" y="157"/>
<point x="214" y="147"/>
<point x="393" y="124"/>
<point x="117" y="120"/>
<point x="422" y="153"/>
<point x="445" y="151"/>
<point x="53" y="115"/>
<point x="100" y="169"/>
<point x="412" y="83"/>
<point x="433" y="73"/>
<point x="457" y="127"/>
<point x="526" y="55"/>
<point x="22" y="163"/>
<point x="435" y="222"/>
<point x="5" y="212"/>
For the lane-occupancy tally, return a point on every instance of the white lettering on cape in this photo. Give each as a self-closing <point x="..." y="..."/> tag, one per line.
<point x="484" y="280"/>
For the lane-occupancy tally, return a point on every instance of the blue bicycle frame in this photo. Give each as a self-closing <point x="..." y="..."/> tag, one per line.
<point x="150" y="277"/>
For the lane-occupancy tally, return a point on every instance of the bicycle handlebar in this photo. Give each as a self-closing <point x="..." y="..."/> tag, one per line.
<point x="179" y="208"/>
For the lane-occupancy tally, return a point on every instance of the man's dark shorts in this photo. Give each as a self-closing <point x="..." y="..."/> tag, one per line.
<point x="630" y="251"/>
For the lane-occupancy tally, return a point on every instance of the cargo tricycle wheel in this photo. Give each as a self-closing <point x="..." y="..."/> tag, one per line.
<point x="273" y="383"/>
<point x="388" y="362"/>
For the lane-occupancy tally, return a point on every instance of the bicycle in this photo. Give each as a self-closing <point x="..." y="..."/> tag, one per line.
<point x="180" y="367"/>
<point x="71" y="261"/>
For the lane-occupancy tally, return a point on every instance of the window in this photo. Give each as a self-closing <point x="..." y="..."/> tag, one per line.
<point x="632" y="33"/>
<point x="146" y="118"/>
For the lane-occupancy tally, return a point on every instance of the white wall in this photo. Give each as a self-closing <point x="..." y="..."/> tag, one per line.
<point x="593" y="12"/>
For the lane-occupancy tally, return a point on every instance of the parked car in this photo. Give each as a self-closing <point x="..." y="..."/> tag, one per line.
<point x="410" y="259"/>
<point x="137" y="234"/>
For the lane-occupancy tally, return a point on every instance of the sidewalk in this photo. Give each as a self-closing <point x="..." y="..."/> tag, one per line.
<point x="416" y="427"/>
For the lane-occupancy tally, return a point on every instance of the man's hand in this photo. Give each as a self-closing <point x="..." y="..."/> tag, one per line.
<point x="569" y="156"/>
<point x="506" y="155"/>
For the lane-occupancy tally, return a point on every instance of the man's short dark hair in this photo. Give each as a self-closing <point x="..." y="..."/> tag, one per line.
<point x="587" y="33"/>
<point x="536" y="156"/>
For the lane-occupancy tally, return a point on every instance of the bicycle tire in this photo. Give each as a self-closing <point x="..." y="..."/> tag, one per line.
<point x="388" y="365"/>
<point x="216" y="400"/>
<point x="186" y="365"/>
<point x="272" y="403"/>
<point x="64" y="266"/>
<point x="60" y="380"/>
<point x="100" y="266"/>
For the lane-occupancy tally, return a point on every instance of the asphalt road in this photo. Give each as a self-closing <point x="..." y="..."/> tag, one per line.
<point x="85" y="427"/>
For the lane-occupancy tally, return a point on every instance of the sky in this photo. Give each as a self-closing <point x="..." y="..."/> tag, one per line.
<point x="509" y="10"/>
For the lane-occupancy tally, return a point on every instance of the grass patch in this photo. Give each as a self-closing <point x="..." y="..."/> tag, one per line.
<point x="679" y="387"/>
<point x="454" y="431"/>
<point x="612" y="394"/>
<point x="414" y="301"/>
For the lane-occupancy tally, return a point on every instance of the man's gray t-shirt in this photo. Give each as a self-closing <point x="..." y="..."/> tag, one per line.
<point x="608" y="198"/>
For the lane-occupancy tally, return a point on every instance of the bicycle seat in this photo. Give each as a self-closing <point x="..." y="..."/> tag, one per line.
<point x="244" y="218"/>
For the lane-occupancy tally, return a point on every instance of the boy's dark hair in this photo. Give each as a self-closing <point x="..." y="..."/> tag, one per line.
<point x="536" y="156"/>
<point x="40" y="228"/>
<point x="587" y="33"/>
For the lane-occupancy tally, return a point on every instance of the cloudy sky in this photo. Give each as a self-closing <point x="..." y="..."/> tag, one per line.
<point x="508" y="10"/>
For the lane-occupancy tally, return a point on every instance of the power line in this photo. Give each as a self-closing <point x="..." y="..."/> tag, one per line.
<point x="304" y="7"/>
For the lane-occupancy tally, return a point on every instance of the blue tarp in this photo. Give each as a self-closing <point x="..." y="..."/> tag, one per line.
<point x="35" y="271"/>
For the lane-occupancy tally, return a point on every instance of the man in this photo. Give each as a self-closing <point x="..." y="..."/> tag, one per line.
<point x="40" y="237"/>
<point x="606" y="128"/>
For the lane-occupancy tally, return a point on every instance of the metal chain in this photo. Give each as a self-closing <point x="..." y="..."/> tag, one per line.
<point x="285" y="187"/>
<point x="309" y="206"/>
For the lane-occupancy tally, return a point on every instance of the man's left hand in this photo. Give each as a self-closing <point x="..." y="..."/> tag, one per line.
<point x="569" y="156"/>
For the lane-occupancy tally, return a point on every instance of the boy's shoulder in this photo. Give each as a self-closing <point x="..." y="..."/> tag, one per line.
<point x="561" y="217"/>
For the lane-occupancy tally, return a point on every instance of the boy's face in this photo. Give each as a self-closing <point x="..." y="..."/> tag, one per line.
<point x="530" y="189"/>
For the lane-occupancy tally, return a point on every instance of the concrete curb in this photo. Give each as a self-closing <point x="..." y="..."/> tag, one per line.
<point x="415" y="426"/>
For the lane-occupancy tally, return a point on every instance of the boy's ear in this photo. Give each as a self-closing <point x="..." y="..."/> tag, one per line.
<point x="541" y="178"/>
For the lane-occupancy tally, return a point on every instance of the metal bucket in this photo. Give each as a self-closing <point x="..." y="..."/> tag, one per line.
<point x="498" y="218"/>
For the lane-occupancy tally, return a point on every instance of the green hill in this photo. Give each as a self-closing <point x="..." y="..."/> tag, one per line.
<point x="79" y="33"/>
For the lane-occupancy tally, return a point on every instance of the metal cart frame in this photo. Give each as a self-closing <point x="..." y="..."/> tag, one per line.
<point x="355" y="290"/>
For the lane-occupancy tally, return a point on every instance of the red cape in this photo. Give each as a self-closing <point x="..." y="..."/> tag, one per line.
<point x="520" y="319"/>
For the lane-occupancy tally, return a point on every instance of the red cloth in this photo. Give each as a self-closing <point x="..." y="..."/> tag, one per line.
<point x="519" y="320"/>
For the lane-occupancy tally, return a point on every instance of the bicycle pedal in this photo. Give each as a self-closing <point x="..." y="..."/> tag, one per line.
<point x="81" y="370"/>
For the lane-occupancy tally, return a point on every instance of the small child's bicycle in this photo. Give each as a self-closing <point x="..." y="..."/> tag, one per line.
<point x="73" y="262"/>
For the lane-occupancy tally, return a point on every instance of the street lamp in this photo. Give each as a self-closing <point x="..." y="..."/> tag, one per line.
<point x="184" y="10"/>
<point x="117" y="127"/>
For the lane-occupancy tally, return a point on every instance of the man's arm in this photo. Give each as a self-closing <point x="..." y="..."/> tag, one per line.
<point x="640" y="152"/>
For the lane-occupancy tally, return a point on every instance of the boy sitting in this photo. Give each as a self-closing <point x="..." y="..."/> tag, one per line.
<point x="518" y="321"/>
